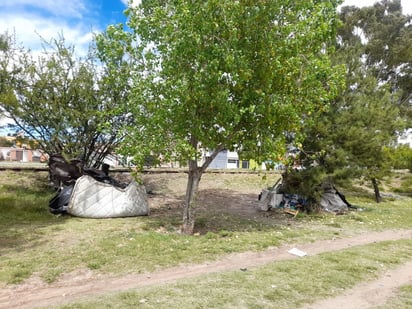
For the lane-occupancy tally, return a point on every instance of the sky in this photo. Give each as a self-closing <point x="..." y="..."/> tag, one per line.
<point x="77" y="20"/>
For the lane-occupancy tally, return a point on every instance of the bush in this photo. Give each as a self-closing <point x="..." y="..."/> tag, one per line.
<point x="401" y="157"/>
<point x="4" y="142"/>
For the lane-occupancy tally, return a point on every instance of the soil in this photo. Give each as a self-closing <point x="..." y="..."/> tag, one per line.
<point x="81" y="284"/>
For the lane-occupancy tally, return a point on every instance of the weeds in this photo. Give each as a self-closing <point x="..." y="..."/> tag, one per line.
<point x="287" y="284"/>
<point x="33" y="241"/>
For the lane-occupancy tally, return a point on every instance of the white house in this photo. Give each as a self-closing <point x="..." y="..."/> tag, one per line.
<point x="226" y="159"/>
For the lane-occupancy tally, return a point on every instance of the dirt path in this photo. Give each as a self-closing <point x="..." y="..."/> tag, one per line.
<point x="367" y="295"/>
<point x="78" y="286"/>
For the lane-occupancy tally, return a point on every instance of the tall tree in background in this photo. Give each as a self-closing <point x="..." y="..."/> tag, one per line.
<point x="351" y="138"/>
<point x="66" y="103"/>
<point x="222" y="75"/>
<point x="388" y="47"/>
<point x="385" y="34"/>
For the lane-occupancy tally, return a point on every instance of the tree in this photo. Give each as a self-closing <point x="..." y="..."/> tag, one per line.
<point x="66" y="103"/>
<point x="401" y="157"/>
<point x="4" y="142"/>
<point x="5" y="48"/>
<point x="351" y="138"/>
<point x="386" y="35"/>
<point x="223" y="75"/>
<point x="388" y="48"/>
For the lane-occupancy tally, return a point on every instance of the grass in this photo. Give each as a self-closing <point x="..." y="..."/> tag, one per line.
<point x="286" y="284"/>
<point x="399" y="182"/>
<point x="35" y="242"/>
<point x="403" y="299"/>
<point x="22" y="197"/>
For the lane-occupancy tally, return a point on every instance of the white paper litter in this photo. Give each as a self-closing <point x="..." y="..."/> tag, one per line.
<point x="296" y="251"/>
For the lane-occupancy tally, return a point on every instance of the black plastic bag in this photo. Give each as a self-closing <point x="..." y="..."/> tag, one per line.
<point x="59" y="203"/>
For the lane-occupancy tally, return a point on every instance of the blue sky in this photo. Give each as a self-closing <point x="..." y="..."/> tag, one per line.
<point x="77" y="20"/>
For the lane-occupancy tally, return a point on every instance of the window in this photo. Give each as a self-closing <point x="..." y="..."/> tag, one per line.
<point x="245" y="164"/>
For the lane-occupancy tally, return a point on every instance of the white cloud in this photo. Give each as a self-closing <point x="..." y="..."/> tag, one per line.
<point x="34" y="20"/>
<point x="134" y="3"/>
<point x="406" y="4"/>
<point x="75" y="19"/>
<point x="71" y="8"/>
<point x="30" y="29"/>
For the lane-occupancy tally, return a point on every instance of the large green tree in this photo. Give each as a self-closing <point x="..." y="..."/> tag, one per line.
<point x="388" y="48"/>
<point x="222" y="74"/>
<point x="385" y="33"/>
<point x="66" y="103"/>
<point x="351" y="138"/>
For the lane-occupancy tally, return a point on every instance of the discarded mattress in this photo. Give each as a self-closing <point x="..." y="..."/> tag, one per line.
<point x="95" y="199"/>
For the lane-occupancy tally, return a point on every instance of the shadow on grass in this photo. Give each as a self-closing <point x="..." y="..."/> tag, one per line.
<point x="24" y="210"/>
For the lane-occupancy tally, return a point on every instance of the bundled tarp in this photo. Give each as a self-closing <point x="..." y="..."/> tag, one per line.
<point x="93" y="194"/>
<point x="332" y="200"/>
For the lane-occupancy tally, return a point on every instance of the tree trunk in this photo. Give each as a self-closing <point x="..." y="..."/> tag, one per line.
<point x="189" y="208"/>
<point x="195" y="174"/>
<point x="376" y="189"/>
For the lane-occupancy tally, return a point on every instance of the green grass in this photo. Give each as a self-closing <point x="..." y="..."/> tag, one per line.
<point x="287" y="284"/>
<point x="120" y="246"/>
<point x="33" y="241"/>
<point x="406" y="185"/>
<point x="23" y="196"/>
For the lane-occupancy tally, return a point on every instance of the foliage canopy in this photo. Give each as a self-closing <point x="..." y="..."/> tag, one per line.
<point x="66" y="103"/>
<point x="220" y="75"/>
<point x="353" y="136"/>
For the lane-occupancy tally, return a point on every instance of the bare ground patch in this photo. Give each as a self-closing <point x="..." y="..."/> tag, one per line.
<point x="216" y="195"/>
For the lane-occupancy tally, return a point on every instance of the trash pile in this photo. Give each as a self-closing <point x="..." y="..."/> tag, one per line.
<point x="92" y="193"/>
<point x="331" y="200"/>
